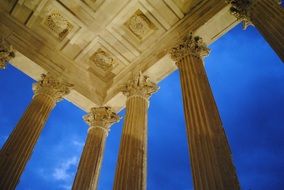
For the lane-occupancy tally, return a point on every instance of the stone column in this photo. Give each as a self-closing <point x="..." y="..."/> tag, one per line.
<point x="6" y="53"/>
<point x="17" y="150"/>
<point x="132" y="159"/>
<point x="99" y="120"/>
<point x="267" y="16"/>
<point x="211" y="162"/>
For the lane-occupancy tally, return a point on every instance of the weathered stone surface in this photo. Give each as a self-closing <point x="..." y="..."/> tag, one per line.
<point x="211" y="162"/>
<point x="131" y="169"/>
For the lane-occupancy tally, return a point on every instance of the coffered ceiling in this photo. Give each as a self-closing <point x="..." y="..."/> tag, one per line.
<point x="97" y="45"/>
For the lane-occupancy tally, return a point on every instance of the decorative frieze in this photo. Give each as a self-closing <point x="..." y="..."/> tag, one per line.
<point x="139" y="86"/>
<point x="101" y="117"/>
<point x="191" y="45"/>
<point x="6" y="53"/>
<point x="52" y="87"/>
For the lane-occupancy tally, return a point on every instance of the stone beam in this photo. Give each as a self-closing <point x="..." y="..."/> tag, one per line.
<point x="46" y="58"/>
<point x="214" y="23"/>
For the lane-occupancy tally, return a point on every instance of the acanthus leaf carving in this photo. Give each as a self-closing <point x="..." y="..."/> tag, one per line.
<point x="6" y="53"/>
<point x="101" y="117"/>
<point x="191" y="45"/>
<point x="139" y="86"/>
<point x="51" y="86"/>
<point x="240" y="9"/>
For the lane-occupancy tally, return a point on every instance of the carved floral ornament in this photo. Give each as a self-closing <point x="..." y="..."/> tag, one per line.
<point x="102" y="59"/>
<point x="52" y="87"/>
<point x="6" y="53"/>
<point x="139" y="24"/>
<point x="139" y="86"/>
<point x="101" y="117"/>
<point x="191" y="45"/>
<point x="57" y="23"/>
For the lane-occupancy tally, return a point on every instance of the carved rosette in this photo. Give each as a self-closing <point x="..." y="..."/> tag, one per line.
<point x="101" y="117"/>
<point x="6" y="53"/>
<point x="52" y="87"/>
<point x="139" y="86"/>
<point x="102" y="59"/>
<point x="139" y="24"/>
<point x="58" y="24"/>
<point x="192" y="45"/>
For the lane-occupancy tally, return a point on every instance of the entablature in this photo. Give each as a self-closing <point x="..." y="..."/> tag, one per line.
<point x="98" y="45"/>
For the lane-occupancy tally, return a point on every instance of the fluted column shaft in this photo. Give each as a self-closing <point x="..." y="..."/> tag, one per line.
<point x="91" y="159"/>
<point x="266" y="16"/>
<point x="210" y="154"/>
<point x="211" y="163"/>
<point x="132" y="165"/>
<point x="131" y="170"/>
<point x="17" y="150"/>
<point x="90" y="163"/>
<point x="19" y="146"/>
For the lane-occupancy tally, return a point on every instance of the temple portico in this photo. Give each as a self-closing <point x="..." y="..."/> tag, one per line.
<point x="106" y="56"/>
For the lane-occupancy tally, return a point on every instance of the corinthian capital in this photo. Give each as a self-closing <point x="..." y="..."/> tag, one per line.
<point x="191" y="45"/>
<point x="101" y="117"/>
<point x="6" y="53"/>
<point x="139" y="86"/>
<point x="240" y="9"/>
<point x="52" y="87"/>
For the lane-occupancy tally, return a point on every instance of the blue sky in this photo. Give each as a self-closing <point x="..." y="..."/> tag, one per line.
<point x="247" y="79"/>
